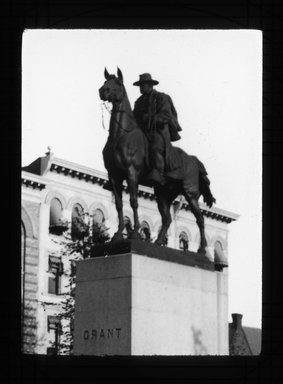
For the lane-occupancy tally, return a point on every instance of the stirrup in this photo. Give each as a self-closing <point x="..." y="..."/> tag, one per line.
<point x="156" y="177"/>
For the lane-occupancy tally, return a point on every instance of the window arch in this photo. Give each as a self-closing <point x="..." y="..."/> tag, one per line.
<point x="128" y="227"/>
<point x="145" y="231"/>
<point x="56" y="211"/>
<point x="218" y="248"/>
<point x="77" y="210"/>
<point x="220" y="259"/>
<point x="79" y="228"/>
<point x="30" y="230"/>
<point x="56" y="225"/>
<point x="100" y="233"/>
<point x="98" y="216"/>
<point x="183" y="241"/>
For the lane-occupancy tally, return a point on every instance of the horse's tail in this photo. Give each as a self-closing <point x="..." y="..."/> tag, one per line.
<point x="204" y="184"/>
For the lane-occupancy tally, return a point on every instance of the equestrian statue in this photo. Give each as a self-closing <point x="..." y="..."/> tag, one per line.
<point x="139" y="150"/>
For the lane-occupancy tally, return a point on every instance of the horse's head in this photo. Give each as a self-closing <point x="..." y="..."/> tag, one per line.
<point x="113" y="88"/>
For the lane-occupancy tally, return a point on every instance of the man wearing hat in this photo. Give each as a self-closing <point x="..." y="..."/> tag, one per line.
<point x="155" y="114"/>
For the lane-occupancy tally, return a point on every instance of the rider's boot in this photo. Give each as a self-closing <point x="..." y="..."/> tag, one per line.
<point x="156" y="177"/>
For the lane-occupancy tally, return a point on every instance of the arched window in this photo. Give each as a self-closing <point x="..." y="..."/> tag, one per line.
<point x="99" y="231"/>
<point x="128" y="227"/>
<point x="218" y="249"/>
<point x="56" y="225"/>
<point x="79" y="228"/>
<point x="77" y="211"/>
<point x="220" y="259"/>
<point x="98" y="216"/>
<point x="56" y="211"/>
<point x="183" y="241"/>
<point x="145" y="231"/>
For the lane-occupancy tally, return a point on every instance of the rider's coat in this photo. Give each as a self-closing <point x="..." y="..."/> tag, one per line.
<point x="156" y="111"/>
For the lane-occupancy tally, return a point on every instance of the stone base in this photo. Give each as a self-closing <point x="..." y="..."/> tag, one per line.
<point x="165" y="302"/>
<point x="153" y="250"/>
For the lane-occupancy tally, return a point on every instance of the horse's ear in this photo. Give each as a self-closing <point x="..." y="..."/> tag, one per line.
<point x="119" y="73"/>
<point x="106" y="74"/>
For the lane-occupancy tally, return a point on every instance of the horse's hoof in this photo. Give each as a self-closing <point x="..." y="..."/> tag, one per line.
<point x="134" y="236"/>
<point x="201" y="251"/>
<point x="117" y="236"/>
<point x="159" y="242"/>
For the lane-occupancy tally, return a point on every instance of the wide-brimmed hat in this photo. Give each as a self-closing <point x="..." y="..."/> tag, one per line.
<point x="146" y="78"/>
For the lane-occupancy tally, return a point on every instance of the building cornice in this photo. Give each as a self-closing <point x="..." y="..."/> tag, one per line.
<point x="32" y="181"/>
<point x="87" y="174"/>
<point x="80" y="172"/>
<point x="218" y="213"/>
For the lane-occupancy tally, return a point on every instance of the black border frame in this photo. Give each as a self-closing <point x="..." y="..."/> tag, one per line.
<point x="249" y="14"/>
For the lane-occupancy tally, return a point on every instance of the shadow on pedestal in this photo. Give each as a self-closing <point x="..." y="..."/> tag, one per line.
<point x="155" y="251"/>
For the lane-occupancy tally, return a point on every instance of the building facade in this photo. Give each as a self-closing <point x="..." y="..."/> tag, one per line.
<point x="53" y="192"/>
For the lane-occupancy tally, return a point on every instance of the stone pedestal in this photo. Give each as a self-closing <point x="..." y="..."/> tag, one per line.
<point x="150" y="300"/>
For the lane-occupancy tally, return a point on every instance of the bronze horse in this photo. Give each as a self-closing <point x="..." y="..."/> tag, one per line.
<point x="126" y="158"/>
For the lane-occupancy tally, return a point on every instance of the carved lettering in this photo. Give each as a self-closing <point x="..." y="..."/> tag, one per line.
<point x="110" y="333"/>
<point x="86" y="335"/>
<point x="102" y="334"/>
<point x="118" y="332"/>
<point x="93" y="334"/>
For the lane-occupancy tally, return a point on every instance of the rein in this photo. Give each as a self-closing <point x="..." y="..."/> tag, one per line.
<point x="103" y="104"/>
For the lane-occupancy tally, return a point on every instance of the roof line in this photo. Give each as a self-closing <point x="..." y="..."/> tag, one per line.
<point x="69" y="168"/>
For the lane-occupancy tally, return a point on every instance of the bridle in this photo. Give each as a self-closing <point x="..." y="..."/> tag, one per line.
<point x="110" y="111"/>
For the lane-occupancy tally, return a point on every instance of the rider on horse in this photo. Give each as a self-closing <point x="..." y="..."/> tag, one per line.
<point x="125" y="155"/>
<point x="155" y="114"/>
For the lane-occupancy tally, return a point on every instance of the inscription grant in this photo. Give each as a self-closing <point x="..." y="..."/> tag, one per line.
<point x="102" y="334"/>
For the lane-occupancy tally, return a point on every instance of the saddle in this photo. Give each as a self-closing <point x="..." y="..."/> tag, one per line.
<point x="174" y="164"/>
<point x="175" y="167"/>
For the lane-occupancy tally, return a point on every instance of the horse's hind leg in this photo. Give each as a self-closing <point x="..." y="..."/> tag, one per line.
<point x="117" y="190"/>
<point x="193" y="202"/>
<point x="164" y="200"/>
<point x="133" y="191"/>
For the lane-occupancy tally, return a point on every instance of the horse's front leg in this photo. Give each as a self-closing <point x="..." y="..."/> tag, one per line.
<point x="193" y="202"/>
<point x="117" y="190"/>
<point x="163" y="202"/>
<point x="133" y="191"/>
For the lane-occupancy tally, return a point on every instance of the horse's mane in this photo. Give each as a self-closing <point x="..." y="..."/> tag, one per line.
<point x="135" y="125"/>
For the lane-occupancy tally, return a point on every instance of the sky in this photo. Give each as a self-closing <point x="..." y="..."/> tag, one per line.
<point x="215" y="80"/>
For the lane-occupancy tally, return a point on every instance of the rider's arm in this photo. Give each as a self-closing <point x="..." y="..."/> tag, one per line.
<point x="163" y="109"/>
<point x="139" y="116"/>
